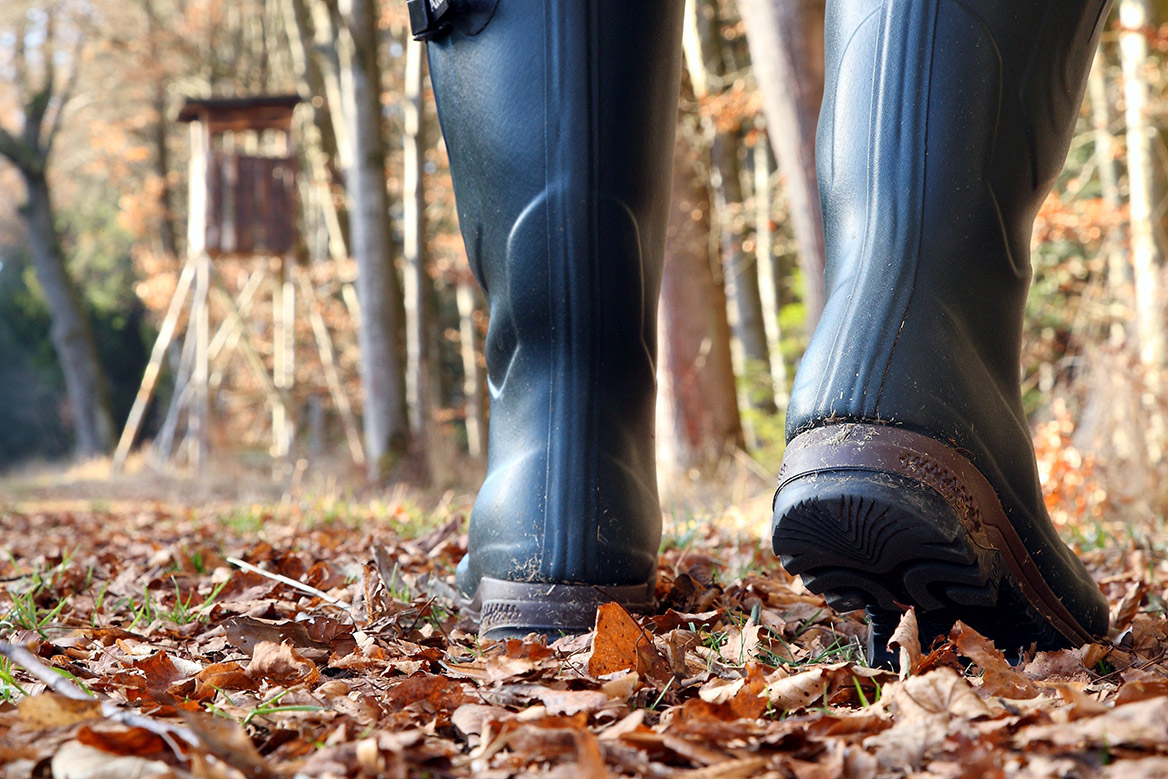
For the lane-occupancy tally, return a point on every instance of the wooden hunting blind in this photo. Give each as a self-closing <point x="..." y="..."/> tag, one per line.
<point x="241" y="153"/>
<point x="242" y="204"/>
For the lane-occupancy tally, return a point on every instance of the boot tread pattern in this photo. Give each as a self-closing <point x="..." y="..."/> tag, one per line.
<point x="883" y="542"/>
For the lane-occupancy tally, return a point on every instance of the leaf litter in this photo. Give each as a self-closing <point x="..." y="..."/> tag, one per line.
<point x="135" y="648"/>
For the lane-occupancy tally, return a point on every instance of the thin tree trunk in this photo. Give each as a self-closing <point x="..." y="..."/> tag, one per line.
<point x="159" y="130"/>
<point x="382" y="372"/>
<point x="700" y="401"/>
<point x="767" y="269"/>
<point x="742" y="282"/>
<point x="706" y="57"/>
<point x="1146" y="257"/>
<point x="320" y="140"/>
<point x="72" y="336"/>
<point x="1118" y="270"/>
<point x="474" y="382"/>
<point x="419" y="289"/>
<point x="786" y="50"/>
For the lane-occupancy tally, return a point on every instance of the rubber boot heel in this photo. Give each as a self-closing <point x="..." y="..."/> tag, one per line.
<point x="866" y="539"/>
<point x="506" y="609"/>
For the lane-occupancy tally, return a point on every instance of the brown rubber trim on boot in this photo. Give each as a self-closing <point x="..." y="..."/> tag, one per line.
<point x="503" y="608"/>
<point x="881" y="448"/>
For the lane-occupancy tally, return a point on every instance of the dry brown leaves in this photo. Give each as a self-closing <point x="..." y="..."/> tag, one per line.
<point x="238" y="675"/>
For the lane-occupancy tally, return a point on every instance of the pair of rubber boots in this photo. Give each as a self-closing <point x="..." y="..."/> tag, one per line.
<point x="909" y="476"/>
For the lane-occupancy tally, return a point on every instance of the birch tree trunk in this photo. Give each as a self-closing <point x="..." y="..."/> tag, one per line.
<point x="1146" y="256"/>
<point x="420" y="306"/>
<point x="786" y="50"/>
<point x="387" y="433"/>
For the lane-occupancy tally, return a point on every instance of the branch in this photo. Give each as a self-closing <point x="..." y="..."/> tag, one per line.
<point x="19" y="60"/>
<point x="297" y="585"/>
<point x="110" y="710"/>
<point x="17" y="152"/>
<point x="65" y="96"/>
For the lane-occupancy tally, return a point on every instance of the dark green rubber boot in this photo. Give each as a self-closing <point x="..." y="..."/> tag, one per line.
<point x="559" y="116"/>
<point x="910" y="475"/>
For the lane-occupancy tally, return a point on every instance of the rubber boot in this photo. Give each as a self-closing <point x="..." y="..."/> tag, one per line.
<point x="910" y="476"/>
<point x="559" y="116"/>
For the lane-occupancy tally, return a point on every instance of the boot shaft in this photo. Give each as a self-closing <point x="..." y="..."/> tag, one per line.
<point x="943" y="127"/>
<point x="559" y="117"/>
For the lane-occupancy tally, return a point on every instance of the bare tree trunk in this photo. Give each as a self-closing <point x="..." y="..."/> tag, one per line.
<point x="699" y="397"/>
<point x="382" y="373"/>
<point x="420" y="307"/>
<point x="320" y="140"/>
<point x="85" y="382"/>
<point x="767" y="270"/>
<point x="706" y="58"/>
<point x="1146" y="257"/>
<point x="786" y="50"/>
<point x="1117" y="266"/>
<point x="474" y="382"/>
<point x="742" y="283"/>
<point x="159" y="130"/>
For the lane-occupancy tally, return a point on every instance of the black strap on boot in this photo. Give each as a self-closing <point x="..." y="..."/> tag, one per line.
<point x="433" y="18"/>
<point x="427" y="17"/>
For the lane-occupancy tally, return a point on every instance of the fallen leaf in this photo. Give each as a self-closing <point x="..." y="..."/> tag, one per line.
<point x="227" y="741"/>
<point x="741" y="643"/>
<point x="437" y="692"/>
<point x="621" y="644"/>
<point x="796" y="692"/>
<point x="281" y="664"/>
<point x="1124" y="612"/>
<point x="225" y="676"/>
<point x="906" y="641"/>
<point x="721" y="690"/>
<point x="999" y="678"/>
<point x="124" y="741"/>
<point x="938" y="692"/>
<point x="472" y="718"/>
<point x="75" y="760"/>
<point x="1143" y="724"/>
<point x="589" y="758"/>
<point x="621" y="687"/>
<point x="572" y="701"/>
<point x="1081" y="703"/>
<point x="1131" y="692"/>
<point x="50" y="710"/>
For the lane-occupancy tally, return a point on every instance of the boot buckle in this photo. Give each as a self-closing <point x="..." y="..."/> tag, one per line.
<point x="427" y="17"/>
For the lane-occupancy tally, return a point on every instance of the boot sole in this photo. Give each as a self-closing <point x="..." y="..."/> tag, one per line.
<point x="881" y="518"/>
<point x="505" y="609"/>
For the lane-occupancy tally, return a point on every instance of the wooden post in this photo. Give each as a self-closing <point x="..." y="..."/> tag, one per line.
<point x="180" y="399"/>
<point x="324" y="344"/>
<point x="283" y="308"/>
<point x="154" y="367"/>
<point x="199" y="416"/>
<point x="198" y="203"/>
<point x="227" y="337"/>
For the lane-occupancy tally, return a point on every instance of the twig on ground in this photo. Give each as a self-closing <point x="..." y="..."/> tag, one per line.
<point x="329" y="599"/>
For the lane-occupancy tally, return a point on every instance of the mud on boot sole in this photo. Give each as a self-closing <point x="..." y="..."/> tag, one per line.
<point x="881" y="518"/>
<point x="506" y="609"/>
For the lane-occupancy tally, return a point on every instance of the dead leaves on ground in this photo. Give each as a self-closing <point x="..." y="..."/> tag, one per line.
<point x="742" y="678"/>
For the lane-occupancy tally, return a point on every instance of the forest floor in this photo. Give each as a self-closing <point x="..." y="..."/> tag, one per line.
<point x="151" y="651"/>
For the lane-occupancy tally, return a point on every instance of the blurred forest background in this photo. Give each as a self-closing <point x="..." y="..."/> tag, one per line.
<point x="94" y="165"/>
